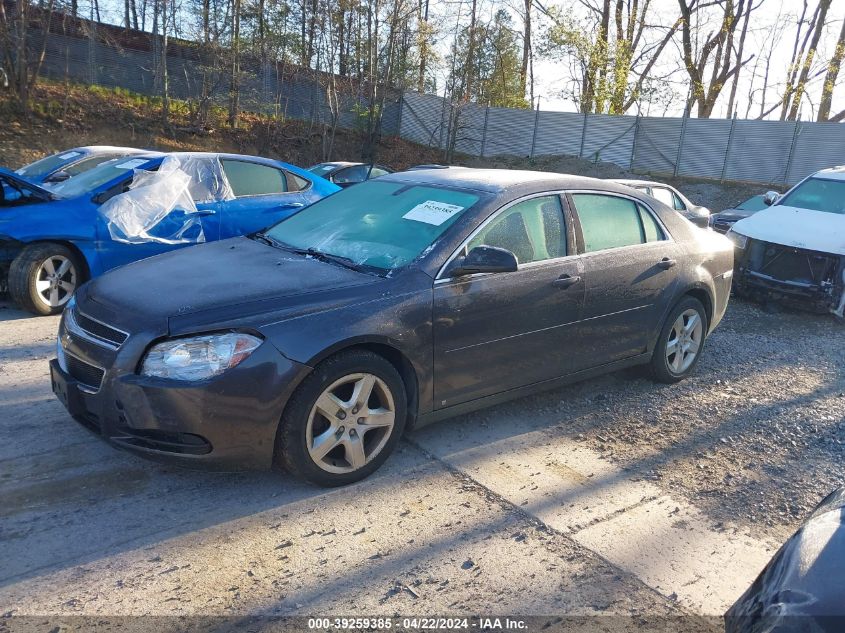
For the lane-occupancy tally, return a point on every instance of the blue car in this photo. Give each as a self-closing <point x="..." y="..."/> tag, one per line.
<point x="52" y="240"/>
<point x="63" y="165"/>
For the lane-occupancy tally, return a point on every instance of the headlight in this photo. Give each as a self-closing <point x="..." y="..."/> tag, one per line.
<point x="738" y="239"/>
<point x="198" y="357"/>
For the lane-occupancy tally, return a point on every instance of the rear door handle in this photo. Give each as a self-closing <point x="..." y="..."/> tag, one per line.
<point x="565" y="281"/>
<point x="666" y="263"/>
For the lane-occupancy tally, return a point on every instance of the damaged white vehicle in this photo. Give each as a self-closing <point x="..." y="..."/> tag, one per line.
<point x="794" y="251"/>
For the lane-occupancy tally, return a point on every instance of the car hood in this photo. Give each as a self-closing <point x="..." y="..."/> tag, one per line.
<point x="799" y="228"/>
<point x="733" y="215"/>
<point x="220" y="281"/>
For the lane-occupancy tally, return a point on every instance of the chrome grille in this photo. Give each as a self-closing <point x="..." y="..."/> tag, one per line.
<point x="94" y="330"/>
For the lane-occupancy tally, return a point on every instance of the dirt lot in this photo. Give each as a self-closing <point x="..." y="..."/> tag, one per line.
<point x="614" y="496"/>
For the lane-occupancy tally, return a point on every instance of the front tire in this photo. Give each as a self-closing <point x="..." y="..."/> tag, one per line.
<point x="344" y="420"/>
<point x="43" y="277"/>
<point x="681" y="342"/>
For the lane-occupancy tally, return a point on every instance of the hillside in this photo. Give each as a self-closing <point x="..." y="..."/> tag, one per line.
<point x="82" y="115"/>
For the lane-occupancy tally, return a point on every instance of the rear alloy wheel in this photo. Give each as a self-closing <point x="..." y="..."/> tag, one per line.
<point x="344" y="420"/>
<point x="681" y="341"/>
<point x="43" y="278"/>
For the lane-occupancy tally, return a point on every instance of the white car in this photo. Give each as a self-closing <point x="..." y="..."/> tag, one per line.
<point x="795" y="249"/>
<point x="672" y="198"/>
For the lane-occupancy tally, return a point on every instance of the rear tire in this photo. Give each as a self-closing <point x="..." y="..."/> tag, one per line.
<point x="43" y="277"/>
<point x="344" y="420"/>
<point x="680" y="342"/>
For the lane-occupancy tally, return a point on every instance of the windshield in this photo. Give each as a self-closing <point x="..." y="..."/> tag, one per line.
<point x="817" y="194"/>
<point x="88" y="181"/>
<point x="380" y="224"/>
<point x="322" y="169"/>
<point x="48" y="165"/>
<point x="754" y="203"/>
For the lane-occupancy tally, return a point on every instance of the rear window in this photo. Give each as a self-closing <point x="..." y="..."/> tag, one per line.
<point x="817" y="194"/>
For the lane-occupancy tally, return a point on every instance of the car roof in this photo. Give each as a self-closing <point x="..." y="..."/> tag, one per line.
<point x="272" y="162"/>
<point x="633" y="181"/>
<point x="500" y="180"/>
<point x="96" y="149"/>
<point x="832" y="173"/>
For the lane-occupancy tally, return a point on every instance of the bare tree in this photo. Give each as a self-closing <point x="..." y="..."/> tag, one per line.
<point x="716" y="52"/>
<point x="831" y="76"/>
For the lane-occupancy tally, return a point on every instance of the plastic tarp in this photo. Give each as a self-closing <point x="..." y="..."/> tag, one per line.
<point x="161" y="206"/>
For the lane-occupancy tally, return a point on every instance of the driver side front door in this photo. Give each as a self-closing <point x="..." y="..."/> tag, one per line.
<point x="495" y="332"/>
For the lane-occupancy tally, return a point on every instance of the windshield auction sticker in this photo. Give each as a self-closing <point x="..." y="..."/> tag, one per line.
<point x="433" y="212"/>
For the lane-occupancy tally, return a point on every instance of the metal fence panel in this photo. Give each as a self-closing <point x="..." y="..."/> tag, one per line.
<point x="657" y="145"/>
<point x="421" y="118"/>
<point x="705" y="143"/>
<point x="760" y="151"/>
<point x="609" y="138"/>
<point x="470" y="132"/>
<point x="766" y="152"/>
<point x="558" y="133"/>
<point x="818" y="145"/>
<point x="509" y="132"/>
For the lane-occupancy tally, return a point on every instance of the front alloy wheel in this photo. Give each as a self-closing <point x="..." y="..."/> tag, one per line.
<point x="44" y="276"/>
<point x="344" y="420"/>
<point x="55" y="281"/>
<point x="350" y="423"/>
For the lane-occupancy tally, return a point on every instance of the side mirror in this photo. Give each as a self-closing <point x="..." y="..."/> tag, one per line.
<point x="770" y="198"/>
<point x="484" y="259"/>
<point x="59" y="176"/>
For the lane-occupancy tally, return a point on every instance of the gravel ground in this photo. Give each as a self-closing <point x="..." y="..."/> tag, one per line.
<point x="755" y="438"/>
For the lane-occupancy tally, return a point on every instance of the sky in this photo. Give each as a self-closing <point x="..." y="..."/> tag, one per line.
<point x="773" y="22"/>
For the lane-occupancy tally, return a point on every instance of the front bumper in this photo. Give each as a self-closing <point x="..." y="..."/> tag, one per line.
<point x="798" y="277"/>
<point x="225" y="423"/>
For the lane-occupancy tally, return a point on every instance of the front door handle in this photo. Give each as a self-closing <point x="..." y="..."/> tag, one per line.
<point x="565" y="281"/>
<point x="666" y="263"/>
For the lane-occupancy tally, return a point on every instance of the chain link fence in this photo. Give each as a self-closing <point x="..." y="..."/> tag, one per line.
<point x="766" y="152"/>
<point x="82" y="51"/>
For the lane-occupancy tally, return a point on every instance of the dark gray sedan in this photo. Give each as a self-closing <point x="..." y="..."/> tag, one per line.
<point x="315" y="344"/>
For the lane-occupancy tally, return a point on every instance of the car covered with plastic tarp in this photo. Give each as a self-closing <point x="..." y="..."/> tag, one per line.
<point x="126" y="209"/>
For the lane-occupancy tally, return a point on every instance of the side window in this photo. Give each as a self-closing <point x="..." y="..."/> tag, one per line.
<point x="651" y="229"/>
<point x="532" y="230"/>
<point x="678" y="203"/>
<point x="612" y="222"/>
<point x="296" y="183"/>
<point x="377" y="171"/>
<point x="252" y="179"/>
<point x="357" y="173"/>
<point x="664" y="195"/>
